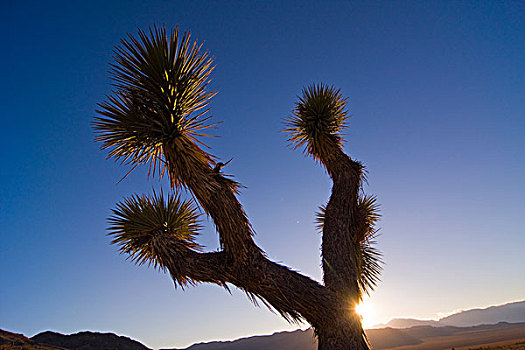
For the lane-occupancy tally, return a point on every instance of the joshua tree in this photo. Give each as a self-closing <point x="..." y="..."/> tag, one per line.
<point x="157" y="116"/>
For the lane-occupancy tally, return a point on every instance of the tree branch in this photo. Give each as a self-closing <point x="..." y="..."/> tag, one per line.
<point x="290" y="293"/>
<point x="216" y="195"/>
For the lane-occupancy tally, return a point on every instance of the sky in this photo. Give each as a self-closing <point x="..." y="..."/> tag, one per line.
<point x="436" y="93"/>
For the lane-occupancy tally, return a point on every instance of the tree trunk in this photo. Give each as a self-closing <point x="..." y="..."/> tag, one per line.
<point x="339" y="256"/>
<point x="330" y="309"/>
<point x="344" y="332"/>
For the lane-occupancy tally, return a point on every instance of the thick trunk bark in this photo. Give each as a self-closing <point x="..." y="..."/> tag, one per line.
<point x="344" y="331"/>
<point x="336" y="339"/>
<point x="340" y="266"/>
<point x="338" y="248"/>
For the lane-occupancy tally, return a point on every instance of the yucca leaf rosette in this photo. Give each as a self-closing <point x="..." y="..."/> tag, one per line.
<point x="317" y="121"/>
<point x="159" y="109"/>
<point x="156" y="230"/>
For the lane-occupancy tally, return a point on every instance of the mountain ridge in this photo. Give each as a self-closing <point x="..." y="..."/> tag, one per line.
<point x="87" y="340"/>
<point x="415" y="338"/>
<point x="510" y="312"/>
<point x="421" y="336"/>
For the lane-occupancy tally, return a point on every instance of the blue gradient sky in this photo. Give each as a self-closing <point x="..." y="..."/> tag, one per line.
<point x="437" y="95"/>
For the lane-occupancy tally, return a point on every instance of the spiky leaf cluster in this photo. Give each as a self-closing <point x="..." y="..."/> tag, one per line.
<point x="317" y="121"/>
<point x="155" y="230"/>
<point x="369" y="258"/>
<point x="160" y="102"/>
<point x="369" y="264"/>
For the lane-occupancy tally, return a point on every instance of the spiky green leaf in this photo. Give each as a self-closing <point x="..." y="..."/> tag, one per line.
<point x="160" y="102"/>
<point x="369" y="258"/>
<point x="155" y="229"/>
<point x="369" y="264"/>
<point x="317" y="121"/>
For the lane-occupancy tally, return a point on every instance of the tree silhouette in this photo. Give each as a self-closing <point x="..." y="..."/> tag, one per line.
<point x="157" y="116"/>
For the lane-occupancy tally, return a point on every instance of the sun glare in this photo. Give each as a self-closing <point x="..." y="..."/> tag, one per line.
<point x="366" y="310"/>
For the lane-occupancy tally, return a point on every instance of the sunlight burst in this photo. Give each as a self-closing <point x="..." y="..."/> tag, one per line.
<point x="366" y="310"/>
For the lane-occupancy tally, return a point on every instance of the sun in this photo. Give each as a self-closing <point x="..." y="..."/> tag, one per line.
<point x="366" y="310"/>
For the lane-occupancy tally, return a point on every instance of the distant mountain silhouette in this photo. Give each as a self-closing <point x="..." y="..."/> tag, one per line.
<point x="407" y="323"/>
<point x="9" y="340"/>
<point x="304" y="340"/>
<point x="88" y="341"/>
<point x="414" y="338"/>
<point x="295" y="340"/>
<point x="511" y="312"/>
<point x="484" y="326"/>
